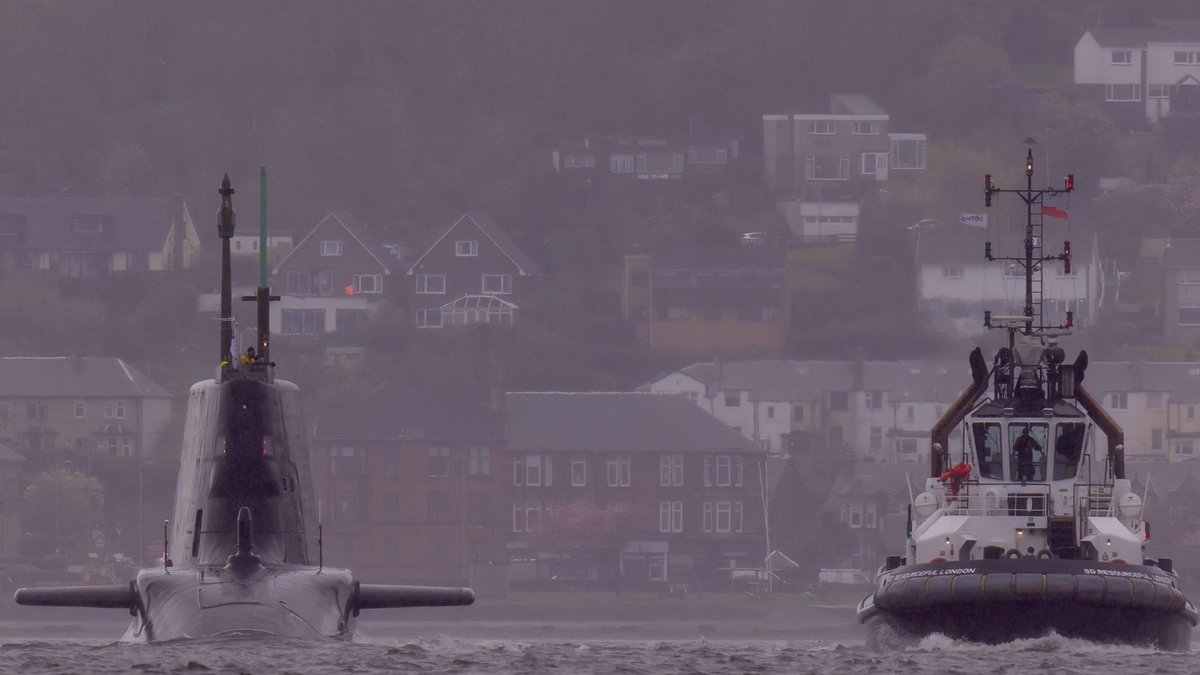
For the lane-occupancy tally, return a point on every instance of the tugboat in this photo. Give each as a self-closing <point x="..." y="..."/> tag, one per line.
<point x="1027" y="528"/>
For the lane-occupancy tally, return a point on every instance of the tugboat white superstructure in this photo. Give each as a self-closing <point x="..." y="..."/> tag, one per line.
<point x="1026" y="528"/>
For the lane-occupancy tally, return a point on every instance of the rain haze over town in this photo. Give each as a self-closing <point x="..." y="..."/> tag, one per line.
<point x="632" y="316"/>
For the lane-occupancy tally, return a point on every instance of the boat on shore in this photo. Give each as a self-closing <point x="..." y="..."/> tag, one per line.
<point x="1029" y="526"/>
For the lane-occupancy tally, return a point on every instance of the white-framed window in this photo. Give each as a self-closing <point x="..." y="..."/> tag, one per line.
<point x="428" y="318"/>
<point x="709" y="517"/>
<point x="1120" y="400"/>
<point x="331" y="248"/>
<point x="822" y="127"/>
<point x="464" y="249"/>
<point x="1122" y="92"/>
<point x="828" y="167"/>
<point x="527" y="515"/>
<point x="707" y="155"/>
<point x="856" y="514"/>
<point x="871" y="163"/>
<point x="431" y="283"/>
<point x="578" y="473"/>
<point x="1183" y="447"/>
<point x="1122" y="57"/>
<point x="80" y="409"/>
<point x="579" y="161"/>
<point x="479" y="461"/>
<point x="875" y="399"/>
<point x="439" y="462"/>
<point x="724" y="470"/>
<point x="724" y="516"/>
<point x="538" y="470"/>
<point x="619" y="163"/>
<point x="497" y="284"/>
<point x="618" y="471"/>
<point x="670" y="516"/>
<point x="869" y="519"/>
<point x="368" y="283"/>
<point x="952" y="272"/>
<point x="670" y="470"/>
<point x="865" y="128"/>
<point x="302" y="321"/>
<point x="907" y="152"/>
<point x="1158" y="91"/>
<point x="114" y="410"/>
<point x="1186" y="58"/>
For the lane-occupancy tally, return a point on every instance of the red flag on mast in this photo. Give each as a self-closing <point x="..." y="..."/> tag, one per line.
<point x="1055" y="212"/>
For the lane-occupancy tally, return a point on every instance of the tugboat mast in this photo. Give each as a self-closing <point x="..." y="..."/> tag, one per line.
<point x="1032" y="260"/>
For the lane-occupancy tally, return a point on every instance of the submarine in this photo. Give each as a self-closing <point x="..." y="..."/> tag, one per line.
<point x="243" y="554"/>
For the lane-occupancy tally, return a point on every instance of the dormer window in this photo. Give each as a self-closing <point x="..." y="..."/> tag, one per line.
<point x="331" y="248"/>
<point x="88" y="223"/>
<point x="464" y="249"/>
<point x="1122" y="57"/>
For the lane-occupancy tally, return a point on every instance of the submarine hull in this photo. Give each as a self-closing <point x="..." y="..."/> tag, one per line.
<point x="995" y="601"/>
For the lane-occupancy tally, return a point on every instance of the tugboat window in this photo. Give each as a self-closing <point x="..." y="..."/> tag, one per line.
<point x="989" y="447"/>
<point x="1068" y="447"/>
<point x="1028" y="443"/>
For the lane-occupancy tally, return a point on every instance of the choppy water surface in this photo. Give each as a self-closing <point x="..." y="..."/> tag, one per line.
<point x="452" y="655"/>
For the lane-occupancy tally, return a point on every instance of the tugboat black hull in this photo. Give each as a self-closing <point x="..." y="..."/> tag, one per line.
<point x="994" y="601"/>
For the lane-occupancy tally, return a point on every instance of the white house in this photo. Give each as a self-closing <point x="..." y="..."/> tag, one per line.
<point x="957" y="283"/>
<point x="1140" y="74"/>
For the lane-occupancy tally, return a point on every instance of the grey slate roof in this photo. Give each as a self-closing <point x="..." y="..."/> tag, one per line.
<point x="356" y="229"/>
<point x="781" y="380"/>
<point x="854" y="104"/>
<point x="1140" y="37"/>
<point x="137" y="224"/>
<point x="1180" y="379"/>
<point x="65" y="376"/>
<point x="497" y="235"/>
<point x="868" y="479"/>
<point x="395" y="414"/>
<point x="616" y="422"/>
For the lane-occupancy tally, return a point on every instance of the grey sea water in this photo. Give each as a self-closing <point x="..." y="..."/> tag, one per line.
<point x="379" y="654"/>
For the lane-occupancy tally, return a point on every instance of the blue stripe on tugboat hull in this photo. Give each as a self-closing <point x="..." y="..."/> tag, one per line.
<point x="1001" y="600"/>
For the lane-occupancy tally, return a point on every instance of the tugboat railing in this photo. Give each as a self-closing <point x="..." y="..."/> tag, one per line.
<point x="1014" y="499"/>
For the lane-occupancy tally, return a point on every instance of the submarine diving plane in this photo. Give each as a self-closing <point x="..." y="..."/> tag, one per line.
<point x="241" y="558"/>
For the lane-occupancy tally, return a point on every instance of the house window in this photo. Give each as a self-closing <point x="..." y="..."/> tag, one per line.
<point x="856" y="514"/>
<point x="822" y="127"/>
<point x="733" y="399"/>
<point x="670" y="470"/>
<point x="438" y="507"/>
<point x="347" y="460"/>
<point x="538" y="470"/>
<point x="1189" y="316"/>
<point x="1122" y="92"/>
<point x="876" y="438"/>
<point x="307" y="282"/>
<point x="580" y="161"/>
<point x="908" y="151"/>
<point x="910" y="412"/>
<point x="1183" y="447"/>
<point x="439" y="549"/>
<point x="828" y="167"/>
<point x="797" y="414"/>
<point x="677" y="313"/>
<point x="1122" y="57"/>
<point x="865" y="127"/>
<point x="770" y="412"/>
<point x="1184" y="58"/>
<point x="874" y="399"/>
<point x="439" y="462"/>
<point x="670" y="516"/>
<point x="724" y="464"/>
<point x="1156" y="437"/>
<point x="578" y="473"/>
<point x="479" y="462"/>
<point x="391" y="462"/>
<point x="724" y="516"/>
<point x="869" y="516"/>
<point x="465" y="249"/>
<point x="618" y="471"/>
<point x="114" y="410"/>
<point x="952" y="272"/>
<point x="906" y="448"/>
<point x="709" y="517"/>
<point x="497" y="284"/>
<point x="431" y="283"/>
<point x="707" y="155"/>
<point x="871" y="163"/>
<point x="1158" y="91"/>
<point x="302" y="321"/>
<point x="349" y="506"/>
<point x="350" y="320"/>
<point x="35" y="410"/>
<point x="429" y="318"/>
<point x="527" y="516"/>
<point x="620" y="164"/>
<point x="80" y="409"/>
<point x="1191" y="412"/>
<point x="368" y="283"/>
<point x="1120" y="401"/>
<point x="331" y="248"/>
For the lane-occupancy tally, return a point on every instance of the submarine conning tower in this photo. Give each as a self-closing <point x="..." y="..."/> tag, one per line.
<point x="244" y="444"/>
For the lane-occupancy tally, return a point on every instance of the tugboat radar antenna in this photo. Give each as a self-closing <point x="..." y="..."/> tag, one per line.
<point x="1031" y="319"/>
